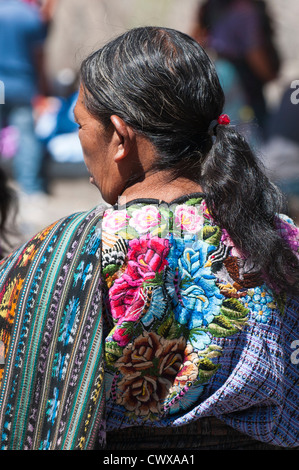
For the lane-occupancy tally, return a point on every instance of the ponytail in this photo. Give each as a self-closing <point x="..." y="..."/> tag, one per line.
<point x="243" y="201"/>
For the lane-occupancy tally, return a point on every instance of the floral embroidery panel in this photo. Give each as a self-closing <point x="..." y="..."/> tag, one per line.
<point x="176" y="289"/>
<point x="147" y="315"/>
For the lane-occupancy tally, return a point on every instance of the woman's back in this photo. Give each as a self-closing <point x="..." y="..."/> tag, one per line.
<point x="154" y="313"/>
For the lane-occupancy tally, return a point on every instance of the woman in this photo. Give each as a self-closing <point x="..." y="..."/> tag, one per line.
<point x="176" y="307"/>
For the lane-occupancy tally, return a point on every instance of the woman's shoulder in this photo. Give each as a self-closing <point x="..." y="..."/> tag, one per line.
<point x="69" y="231"/>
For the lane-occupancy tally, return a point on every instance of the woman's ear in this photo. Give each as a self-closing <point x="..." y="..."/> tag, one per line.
<point x="123" y="136"/>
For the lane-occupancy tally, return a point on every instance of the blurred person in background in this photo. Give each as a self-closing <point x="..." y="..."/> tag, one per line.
<point x="22" y="37"/>
<point x="46" y="8"/>
<point x="280" y="152"/>
<point x="7" y="208"/>
<point x="240" y="32"/>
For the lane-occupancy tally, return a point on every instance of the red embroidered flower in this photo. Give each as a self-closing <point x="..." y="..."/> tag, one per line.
<point x="146" y="257"/>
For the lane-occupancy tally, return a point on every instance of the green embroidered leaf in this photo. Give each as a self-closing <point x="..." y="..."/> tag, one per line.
<point x="171" y="221"/>
<point x="151" y="417"/>
<point x="234" y="309"/>
<point x="112" y="352"/>
<point x="156" y="281"/>
<point x="177" y="330"/>
<point x="193" y="201"/>
<point x="110" y="359"/>
<point x="171" y="329"/>
<point x="206" y="364"/>
<point x="164" y="328"/>
<point x="128" y="233"/>
<point x="159" y="230"/>
<point x="211" y="235"/>
<point x="211" y="351"/>
<point x="222" y="321"/>
<point x="280" y="300"/>
<point x="132" y="208"/>
<point x="222" y="327"/>
<point x="131" y="415"/>
<point x="110" y="270"/>
<point x="131" y="328"/>
<point x="165" y="212"/>
<point x="206" y="369"/>
<point x="112" y="347"/>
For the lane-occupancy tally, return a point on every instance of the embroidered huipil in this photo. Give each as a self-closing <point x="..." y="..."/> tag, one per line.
<point x="150" y="310"/>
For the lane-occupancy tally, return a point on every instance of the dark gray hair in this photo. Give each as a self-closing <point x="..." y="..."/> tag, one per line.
<point x="162" y="83"/>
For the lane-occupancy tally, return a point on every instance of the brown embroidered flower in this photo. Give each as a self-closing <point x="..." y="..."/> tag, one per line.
<point x="149" y="367"/>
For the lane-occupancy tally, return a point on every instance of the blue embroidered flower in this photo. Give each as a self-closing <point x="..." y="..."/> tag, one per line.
<point x="259" y="301"/>
<point x="262" y="296"/>
<point x="262" y="313"/>
<point x="157" y="307"/>
<point x="199" y="339"/>
<point x="200" y="296"/>
<point x="177" y="247"/>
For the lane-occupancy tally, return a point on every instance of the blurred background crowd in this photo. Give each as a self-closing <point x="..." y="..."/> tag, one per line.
<point x="253" y="43"/>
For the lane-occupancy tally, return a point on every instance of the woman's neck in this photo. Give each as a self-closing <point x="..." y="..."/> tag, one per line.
<point x="159" y="186"/>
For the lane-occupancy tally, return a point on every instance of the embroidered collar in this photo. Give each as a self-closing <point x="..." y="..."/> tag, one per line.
<point x="179" y="200"/>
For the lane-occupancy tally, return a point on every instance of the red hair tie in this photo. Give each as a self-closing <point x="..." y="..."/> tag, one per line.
<point x="223" y="120"/>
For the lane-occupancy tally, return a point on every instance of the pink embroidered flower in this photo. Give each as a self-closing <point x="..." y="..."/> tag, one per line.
<point x="145" y="218"/>
<point x="114" y="220"/>
<point x="205" y="210"/>
<point x="121" y="336"/>
<point x="146" y="257"/>
<point x="125" y="298"/>
<point x="188" y="218"/>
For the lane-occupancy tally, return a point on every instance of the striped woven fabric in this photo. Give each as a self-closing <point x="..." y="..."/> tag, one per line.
<point x="51" y="396"/>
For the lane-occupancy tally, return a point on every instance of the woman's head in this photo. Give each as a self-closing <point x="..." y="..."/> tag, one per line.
<point x="163" y="88"/>
<point x="162" y="84"/>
